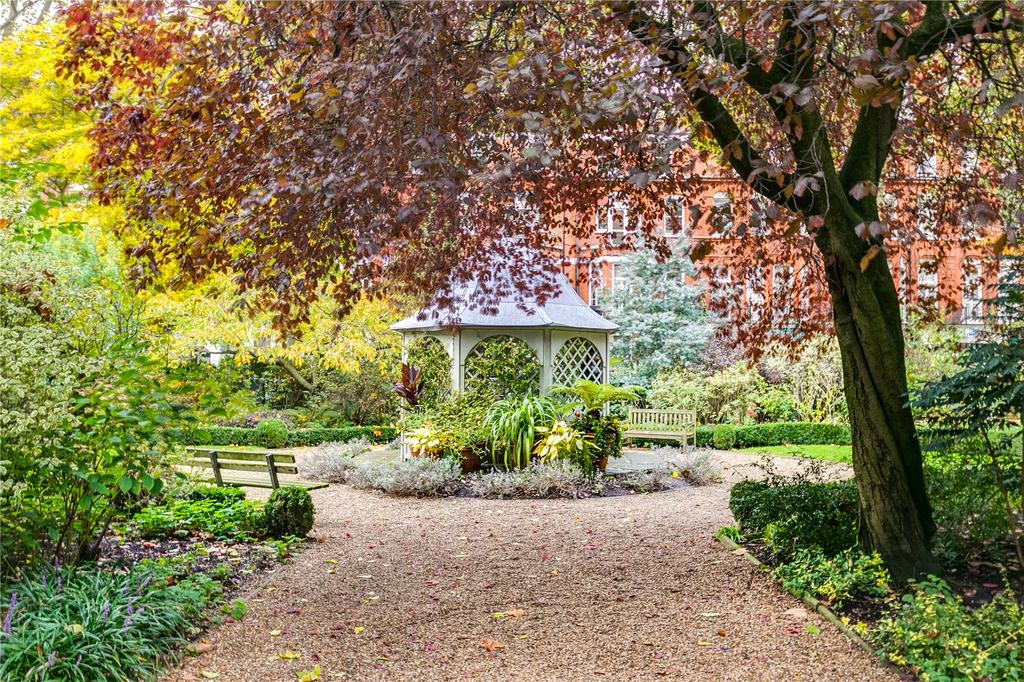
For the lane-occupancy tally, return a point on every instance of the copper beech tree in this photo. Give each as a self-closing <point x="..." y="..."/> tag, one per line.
<point x="333" y="147"/>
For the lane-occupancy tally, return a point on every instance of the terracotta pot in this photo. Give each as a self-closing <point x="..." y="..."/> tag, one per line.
<point x="414" y="452"/>
<point x="602" y="464"/>
<point x="470" y="460"/>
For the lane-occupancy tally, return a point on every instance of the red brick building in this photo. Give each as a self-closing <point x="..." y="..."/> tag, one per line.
<point x="937" y="270"/>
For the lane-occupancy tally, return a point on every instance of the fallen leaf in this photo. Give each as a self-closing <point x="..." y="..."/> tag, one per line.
<point x="492" y="644"/>
<point x="275" y="633"/>
<point x="199" y="648"/>
<point x="308" y="675"/>
<point x="797" y="613"/>
<point x="289" y="655"/>
<point x="722" y="632"/>
<point x="209" y="674"/>
<point x="516" y="613"/>
<point x="554" y="573"/>
<point x="813" y="629"/>
<point x="356" y="630"/>
<point x="330" y="561"/>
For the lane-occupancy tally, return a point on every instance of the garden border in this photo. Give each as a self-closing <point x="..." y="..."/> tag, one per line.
<point x="814" y="604"/>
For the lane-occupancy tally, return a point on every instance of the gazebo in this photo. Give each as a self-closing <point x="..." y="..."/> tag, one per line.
<point x="569" y="338"/>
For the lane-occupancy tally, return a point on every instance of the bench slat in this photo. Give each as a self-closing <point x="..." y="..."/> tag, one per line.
<point x="243" y="466"/>
<point x="257" y="483"/>
<point x="252" y="455"/>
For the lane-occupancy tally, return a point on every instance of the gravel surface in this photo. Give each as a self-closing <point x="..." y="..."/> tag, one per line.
<point x="619" y="588"/>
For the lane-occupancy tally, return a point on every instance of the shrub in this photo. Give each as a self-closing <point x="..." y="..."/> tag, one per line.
<point x="648" y="481"/>
<point x="288" y="512"/>
<point x="512" y="426"/>
<point x="94" y="625"/>
<point x="724" y="437"/>
<point x="835" y="580"/>
<point x="226" y="516"/>
<point x="781" y="433"/>
<point x="230" y="435"/>
<point x="558" y="479"/>
<point x="697" y="468"/>
<point x="409" y="478"/>
<point x="222" y="495"/>
<point x="331" y="462"/>
<point x="934" y="634"/>
<point x="792" y="515"/>
<point x="724" y="396"/>
<point x="271" y="433"/>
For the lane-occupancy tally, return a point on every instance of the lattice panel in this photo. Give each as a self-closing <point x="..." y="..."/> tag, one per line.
<point x="577" y="359"/>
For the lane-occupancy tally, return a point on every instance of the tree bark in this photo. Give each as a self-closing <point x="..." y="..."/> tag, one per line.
<point x="896" y="517"/>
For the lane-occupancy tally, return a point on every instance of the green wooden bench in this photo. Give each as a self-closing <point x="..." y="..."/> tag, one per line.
<point x="221" y="460"/>
<point x="680" y="425"/>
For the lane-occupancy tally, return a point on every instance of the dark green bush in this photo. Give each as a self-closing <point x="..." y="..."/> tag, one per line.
<point x="289" y="511"/>
<point x="271" y="433"/>
<point x="232" y="435"/>
<point x="780" y="433"/>
<point x="791" y="516"/>
<point x="88" y="624"/>
<point x="724" y="437"/>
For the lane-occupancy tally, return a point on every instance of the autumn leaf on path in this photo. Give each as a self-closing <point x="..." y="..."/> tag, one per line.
<point x="289" y="655"/>
<point x="492" y="644"/>
<point x="514" y="613"/>
<point x="209" y="674"/>
<point x="308" y="675"/>
<point x="356" y="630"/>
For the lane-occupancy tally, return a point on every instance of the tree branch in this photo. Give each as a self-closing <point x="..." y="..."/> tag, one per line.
<point x="676" y="57"/>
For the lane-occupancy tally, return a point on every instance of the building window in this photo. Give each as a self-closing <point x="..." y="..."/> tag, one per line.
<point x="927" y="284"/>
<point x="613" y="217"/>
<point x="676" y="216"/>
<point x="974" y="291"/>
<point x="927" y="223"/>
<point x="620" y="277"/>
<point x="927" y="168"/>
<point x="722" y="213"/>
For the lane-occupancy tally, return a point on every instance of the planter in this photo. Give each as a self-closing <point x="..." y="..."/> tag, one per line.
<point x="470" y="460"/>
<point x="602" y="464"/>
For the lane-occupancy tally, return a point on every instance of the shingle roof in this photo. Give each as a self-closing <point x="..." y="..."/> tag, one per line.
<point x="474" y="306"/>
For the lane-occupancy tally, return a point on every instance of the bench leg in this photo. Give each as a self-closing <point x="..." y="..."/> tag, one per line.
<point x="272" y="470"/>
<point x="215" y="465"/>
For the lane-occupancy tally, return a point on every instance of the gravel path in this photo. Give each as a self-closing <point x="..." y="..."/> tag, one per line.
<point x="619" y="588"/>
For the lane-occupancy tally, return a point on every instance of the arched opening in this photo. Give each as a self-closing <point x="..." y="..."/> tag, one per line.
<point x="577" y="359"/>
<point x="428" y="354"/>
<point x="502" y="366"/>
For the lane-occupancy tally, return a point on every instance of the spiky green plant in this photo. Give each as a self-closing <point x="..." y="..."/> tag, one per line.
<point x="593" y="396"/>
<point x="512" y="426"/>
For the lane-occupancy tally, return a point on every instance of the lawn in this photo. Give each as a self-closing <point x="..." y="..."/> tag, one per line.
<point x="830" y="453"/>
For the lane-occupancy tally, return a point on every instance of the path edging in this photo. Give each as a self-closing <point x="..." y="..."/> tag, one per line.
<point x="813" y="603"/>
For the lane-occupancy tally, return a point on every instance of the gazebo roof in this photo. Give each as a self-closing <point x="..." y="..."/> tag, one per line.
<point x="471" y="305"/>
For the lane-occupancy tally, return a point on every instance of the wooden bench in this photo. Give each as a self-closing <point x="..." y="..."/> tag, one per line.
<point x="680" y="425"/>
<point x="221" y="460"/>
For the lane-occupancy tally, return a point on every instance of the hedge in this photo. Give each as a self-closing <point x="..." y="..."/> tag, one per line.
<point x="236" y="435"/>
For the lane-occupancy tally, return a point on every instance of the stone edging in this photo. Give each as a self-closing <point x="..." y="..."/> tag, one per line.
<point x="811" y="602"/>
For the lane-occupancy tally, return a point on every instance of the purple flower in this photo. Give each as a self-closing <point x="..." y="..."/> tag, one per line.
<point x="127" y="624"/>
<point x="60" y="584"/>
<point x="44" y="580"/>
<point x="10" y="613"/>
<point x="145" y="583"/>
<point x="130" y="609"/>
<point x="105" y="611"/>
<point x="52" y="660"/>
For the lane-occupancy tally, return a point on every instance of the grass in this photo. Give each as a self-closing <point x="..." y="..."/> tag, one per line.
<point x="829" y="453"/>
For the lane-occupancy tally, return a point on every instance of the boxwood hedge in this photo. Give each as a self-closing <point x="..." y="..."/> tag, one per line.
<point x="234" y="435"/>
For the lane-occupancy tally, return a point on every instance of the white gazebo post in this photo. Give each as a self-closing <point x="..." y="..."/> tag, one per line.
<point x="569" y="338"/>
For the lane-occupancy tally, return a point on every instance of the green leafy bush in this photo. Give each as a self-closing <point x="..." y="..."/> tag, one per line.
<point x="83" y="410"/>
<point x="792" y="515"/>
<point x="428" y="354"/>
<point x="271" y="433"/>
<point x="939" y="638"/>
<point x="289" y="511"/>
<point x="219" y="494"/>
<point x="724" y="396"/>
<point x="512" y="424"/>
<point x="232" y="435"/>
<point x="724" y="437"/>
<point x="500" y="367"/>
<point x="89" y="625"/>
<point x="225" y="516"/>
<point x="837" y="579"/>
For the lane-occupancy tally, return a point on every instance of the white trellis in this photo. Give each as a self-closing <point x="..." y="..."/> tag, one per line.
<point x="570" y="339"/>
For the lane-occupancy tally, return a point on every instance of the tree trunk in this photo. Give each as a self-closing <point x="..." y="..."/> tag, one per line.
<point x="896" y="517"/>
